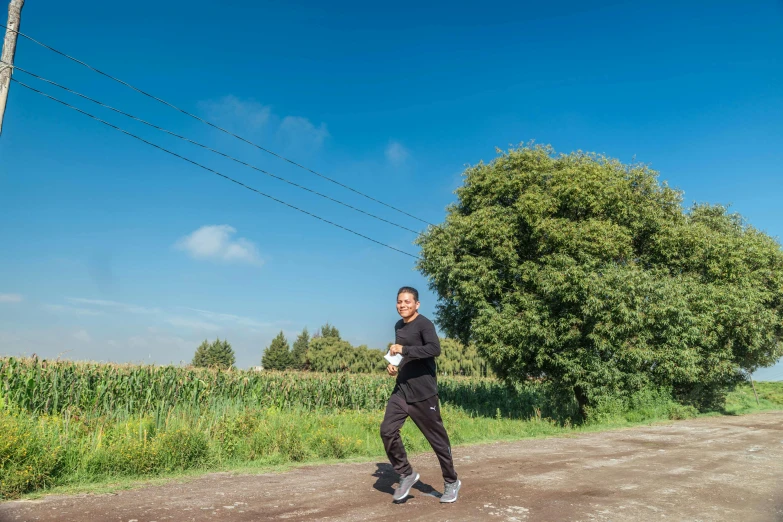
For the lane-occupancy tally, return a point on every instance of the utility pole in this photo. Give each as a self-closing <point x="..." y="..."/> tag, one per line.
<point x="754" y="391"/>
<point x="9" y="49"/>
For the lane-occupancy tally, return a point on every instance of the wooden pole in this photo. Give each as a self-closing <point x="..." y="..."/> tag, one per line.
<point x="754" y="391"/>
<point x="9" y="49"/>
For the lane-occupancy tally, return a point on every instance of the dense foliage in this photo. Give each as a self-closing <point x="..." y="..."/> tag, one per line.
<point x="217" y="354"/>
<point x="299" y="351"/>
<point x="589" y="272"/>
<point x="277" y="356"/>
<point x="332" y="354"/>
<point x="458" y="359"/>
<point x="328" y="330"/>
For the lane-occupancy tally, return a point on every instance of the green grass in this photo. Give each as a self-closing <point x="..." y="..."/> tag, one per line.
<point x="67" y="451"/>
<point x="742" y="400"/>
<point x="41" y="452"/>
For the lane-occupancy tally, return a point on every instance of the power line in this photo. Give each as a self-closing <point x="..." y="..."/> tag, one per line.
<point x="183" y="111"/>
<point x="213" y="171"/>
<point x="280" y="178"/>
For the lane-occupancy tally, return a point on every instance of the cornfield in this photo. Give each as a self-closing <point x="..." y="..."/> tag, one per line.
<point x="94" y="389"/>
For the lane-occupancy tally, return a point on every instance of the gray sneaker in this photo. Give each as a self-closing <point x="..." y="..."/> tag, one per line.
<point x="406" y="483"/>
<point x="450" y="491"/>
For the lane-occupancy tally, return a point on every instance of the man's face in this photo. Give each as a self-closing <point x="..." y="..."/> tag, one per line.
<point x="407" y="306"/>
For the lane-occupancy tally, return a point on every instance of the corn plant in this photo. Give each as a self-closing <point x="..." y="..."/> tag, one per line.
<point x="93" y="389"/>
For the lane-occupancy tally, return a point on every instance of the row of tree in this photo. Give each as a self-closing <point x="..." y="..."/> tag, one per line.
<point x="326" y="351"/>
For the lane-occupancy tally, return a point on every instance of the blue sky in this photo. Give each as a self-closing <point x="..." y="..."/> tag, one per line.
<point x="113" y="250"/>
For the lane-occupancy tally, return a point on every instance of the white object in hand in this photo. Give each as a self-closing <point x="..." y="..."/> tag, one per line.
<point x="393" y="359"/>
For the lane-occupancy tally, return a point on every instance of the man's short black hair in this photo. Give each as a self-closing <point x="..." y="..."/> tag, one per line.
<point x="409" y="290"/>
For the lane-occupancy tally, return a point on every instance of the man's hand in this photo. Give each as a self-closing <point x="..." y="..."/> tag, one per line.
<point x="395" y="349"/>
<point x="392" y="370"/>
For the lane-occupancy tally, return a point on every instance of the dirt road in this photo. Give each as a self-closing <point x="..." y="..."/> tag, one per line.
<point x="723" y="468"/>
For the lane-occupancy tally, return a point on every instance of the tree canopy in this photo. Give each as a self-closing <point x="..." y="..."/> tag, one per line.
<point x="328" y="330"/>
<point x="299" y="351"/>
<point x="331" y="354"/>
<point x="217" y="354"/>
<point x="458" y="359"/>
<point x="277" y="356"/>
<point x="591" y="273"/>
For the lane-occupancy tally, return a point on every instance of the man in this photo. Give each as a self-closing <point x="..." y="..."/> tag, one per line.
<point x="416" y="396"/>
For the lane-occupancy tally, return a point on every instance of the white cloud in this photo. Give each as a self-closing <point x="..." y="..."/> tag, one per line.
<point x="215" y="242"/>
<point x="83" y="336"/>
<point x="96" y="302"/>
<point x="396" y="153"/>
<point x="193" y="324"/>
<point x="71" y="310"/>
<point x="125" y="307"/>
<point x="249" y="116"/>
<point x="301" y="131"/>
<point x="230" y="108"/>
<point x="10" y="298"/>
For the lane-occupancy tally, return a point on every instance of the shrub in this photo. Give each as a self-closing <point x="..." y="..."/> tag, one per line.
<point x="29" y="459"/>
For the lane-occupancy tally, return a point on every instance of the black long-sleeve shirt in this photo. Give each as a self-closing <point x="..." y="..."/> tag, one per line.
<point x="416" y="380"/>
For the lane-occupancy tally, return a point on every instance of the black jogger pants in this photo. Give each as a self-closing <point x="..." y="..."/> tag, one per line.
<point x="426" y="416"/>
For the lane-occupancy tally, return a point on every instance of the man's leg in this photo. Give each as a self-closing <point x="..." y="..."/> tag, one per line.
<point x="396" y="413"/>
<point x="426" y="415"/>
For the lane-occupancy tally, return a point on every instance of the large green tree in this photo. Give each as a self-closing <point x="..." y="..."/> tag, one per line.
<point x="299" y="350"/>
<point x="459" y="359"/>
<point x="277" y="356"/>
<point x="590" y="272"/>
<point x="200" y="359"/>
<point x="328" y="330"/>
<point x="217" y="354"/>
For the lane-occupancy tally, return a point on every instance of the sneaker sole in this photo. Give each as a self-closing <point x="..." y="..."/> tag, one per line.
<point x="409" y="488"/>
<point x="459" y="485"/>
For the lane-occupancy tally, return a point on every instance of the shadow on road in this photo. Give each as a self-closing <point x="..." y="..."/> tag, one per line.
<point x="386" y="478"/>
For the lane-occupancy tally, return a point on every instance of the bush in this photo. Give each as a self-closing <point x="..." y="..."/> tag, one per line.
<point x="124" y="456"/>
<point x="29" y="459"/>
<point x="181" y="449"/>
<point x="231" y="435"/>
<point x="291" y="444"/>
<point x="646" y="404"/>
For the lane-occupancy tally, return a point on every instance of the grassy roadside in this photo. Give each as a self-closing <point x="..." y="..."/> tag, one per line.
<point x="56" y="455"/>
<point x="742" y="400"/>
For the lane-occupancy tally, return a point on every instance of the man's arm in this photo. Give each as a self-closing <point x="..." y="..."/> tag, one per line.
<point x="430" y="348"/>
